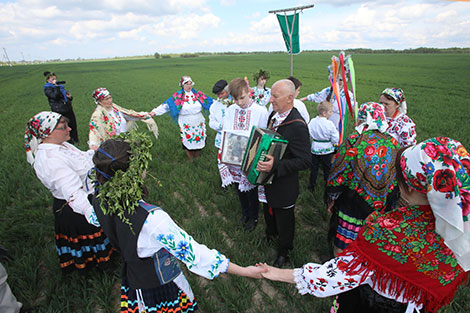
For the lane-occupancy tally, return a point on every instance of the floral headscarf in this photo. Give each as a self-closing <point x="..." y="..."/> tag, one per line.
<point x="440" y="167"/>
<point x="99" y="94"/>
<point x="399" y="96"/>
<point x="38" y="127"/>
<point x="185" y="79"/>
<point x="371" y="116"/>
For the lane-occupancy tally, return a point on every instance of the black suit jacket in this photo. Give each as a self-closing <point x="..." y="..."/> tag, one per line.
<point x="284" y="190"/>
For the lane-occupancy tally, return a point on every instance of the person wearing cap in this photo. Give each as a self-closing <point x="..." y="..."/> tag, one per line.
<point x="185" y="107"/>
<point x="414" y="256"/>
<point x="261" y="94"/>
<point x="327" y="94"/>
<point x="218" y="107"/>
<point x="400" y="126"/>
<point x="110" y="119"/>
<point x="64" y="170"/>
<point x="60" y="101"/>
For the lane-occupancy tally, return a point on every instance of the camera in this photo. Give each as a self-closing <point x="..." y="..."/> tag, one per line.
<point x="60" y="82"/>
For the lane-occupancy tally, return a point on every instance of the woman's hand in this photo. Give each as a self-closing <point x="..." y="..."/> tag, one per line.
<point x="276" y="274"/>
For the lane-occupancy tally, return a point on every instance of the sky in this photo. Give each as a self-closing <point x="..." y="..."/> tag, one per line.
<point x="72" y="29"/>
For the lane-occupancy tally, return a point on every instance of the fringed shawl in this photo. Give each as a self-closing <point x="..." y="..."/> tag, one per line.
<point x="103" y="127"/>
<point x="176" y="102"/>
<point x="408" y="258"/>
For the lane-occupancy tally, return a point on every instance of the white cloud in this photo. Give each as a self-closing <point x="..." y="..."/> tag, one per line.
<point x="186" y="26"/>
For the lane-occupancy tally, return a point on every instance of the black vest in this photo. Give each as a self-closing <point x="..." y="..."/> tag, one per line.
<point x="140" y="272"/>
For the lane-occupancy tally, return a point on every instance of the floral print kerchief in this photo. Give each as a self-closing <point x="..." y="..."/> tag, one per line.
<point x="399" y="96"/>
<point x="38" y="127"/>
<point x="99" y="94"/>
<point x="371" y="116"/>
<point x="440" y="167"/>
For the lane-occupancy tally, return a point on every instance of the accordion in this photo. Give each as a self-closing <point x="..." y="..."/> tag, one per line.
<point x="262" y="142"/>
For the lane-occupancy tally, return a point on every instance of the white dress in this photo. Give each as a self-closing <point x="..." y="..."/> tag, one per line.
<point x="191" y="122"/>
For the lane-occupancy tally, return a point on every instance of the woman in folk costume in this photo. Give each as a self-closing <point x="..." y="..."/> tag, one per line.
<point x="186" y="106"/>
<point x="417" y="254"/>
<point x="109" y="119"/>
<point x="261" y="94"/>
<point x="63" y="169"/>
<point x="362" y="178"/>
<point x="400" y="126"/>
<point x="149" y="241"/>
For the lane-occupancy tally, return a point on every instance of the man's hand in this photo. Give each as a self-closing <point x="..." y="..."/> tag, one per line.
<point x="266" y="166"/>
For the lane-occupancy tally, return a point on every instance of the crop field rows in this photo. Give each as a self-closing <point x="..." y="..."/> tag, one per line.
<point x="436" y="89"/>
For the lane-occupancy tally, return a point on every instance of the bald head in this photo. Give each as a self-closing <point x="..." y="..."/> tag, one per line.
<point x="282" y="95"/>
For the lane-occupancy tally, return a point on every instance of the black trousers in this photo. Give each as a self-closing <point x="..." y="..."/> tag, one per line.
<point x="280" y="222"/>
<point x="249" y="202"/>
<point x="325" y="161"/>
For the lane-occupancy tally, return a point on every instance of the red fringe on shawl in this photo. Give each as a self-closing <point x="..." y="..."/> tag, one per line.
<point x="395" y="285"/>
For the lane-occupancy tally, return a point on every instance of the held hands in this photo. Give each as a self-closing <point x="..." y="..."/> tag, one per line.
<point x="266" y="166"/>
<point x="254" y="271"/>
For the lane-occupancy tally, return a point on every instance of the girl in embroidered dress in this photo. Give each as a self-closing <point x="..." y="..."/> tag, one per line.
<point x="63" y="169"/>
<point x="417" y="254"/>
<point x="400" y="126"/>
<point x="152" y="280"/>
<point x="261" y="94"/>
<point x="186" y="107"/>
<point x="109" y="119"/>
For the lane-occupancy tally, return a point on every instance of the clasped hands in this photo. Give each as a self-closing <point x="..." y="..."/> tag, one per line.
<point x="263" y="270"/>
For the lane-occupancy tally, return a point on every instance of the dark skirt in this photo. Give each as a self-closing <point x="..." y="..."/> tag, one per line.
<point x="162" y="299"/>
<point x="79" y="244"/>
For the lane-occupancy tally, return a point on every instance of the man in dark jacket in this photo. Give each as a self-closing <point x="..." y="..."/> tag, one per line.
<point x="282" y="194"/>
<point x="60" y="101"/>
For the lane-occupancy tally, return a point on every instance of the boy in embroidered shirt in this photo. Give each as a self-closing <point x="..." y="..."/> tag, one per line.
<point x="325" y="137"/>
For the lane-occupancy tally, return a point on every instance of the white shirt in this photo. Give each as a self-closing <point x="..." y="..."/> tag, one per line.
<point x="324" y="135"/>
<point x="216" y="116"/>
<point x="63" y="169"/>
<point x="323" y="94"/>
<point x="240" y="121"/>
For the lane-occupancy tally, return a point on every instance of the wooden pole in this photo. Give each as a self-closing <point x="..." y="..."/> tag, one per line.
<point x="290" y="31"/>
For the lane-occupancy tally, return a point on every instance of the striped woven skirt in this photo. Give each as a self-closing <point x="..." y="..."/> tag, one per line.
<point x="79" y="244"/>
<point x="167" y="298"/>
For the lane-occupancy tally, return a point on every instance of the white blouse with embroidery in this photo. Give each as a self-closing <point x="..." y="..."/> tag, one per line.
<point x="403" y="129"/>
<point x="329" y="279"/>
<point x="63" y="169"/>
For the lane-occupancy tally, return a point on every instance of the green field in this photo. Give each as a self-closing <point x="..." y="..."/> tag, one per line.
<point x="436" y="89"/>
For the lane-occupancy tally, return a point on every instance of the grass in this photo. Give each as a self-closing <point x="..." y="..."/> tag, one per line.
<point x="436" y="91"/>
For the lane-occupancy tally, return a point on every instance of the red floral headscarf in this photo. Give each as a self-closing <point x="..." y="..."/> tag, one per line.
<point x="38" y="127"/>
<point x="99" y="94"/>
<point x="440" y="167"/>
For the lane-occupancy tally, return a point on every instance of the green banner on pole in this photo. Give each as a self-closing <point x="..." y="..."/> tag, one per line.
<point x="290" y="29"/>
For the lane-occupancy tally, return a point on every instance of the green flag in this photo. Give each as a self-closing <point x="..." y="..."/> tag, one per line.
<point x="286" y="21"/>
